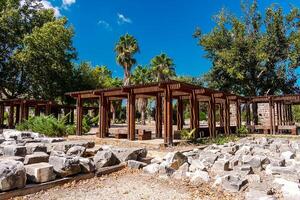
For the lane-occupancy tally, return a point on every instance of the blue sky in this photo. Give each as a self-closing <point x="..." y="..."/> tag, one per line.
<point x="158" y="25"/>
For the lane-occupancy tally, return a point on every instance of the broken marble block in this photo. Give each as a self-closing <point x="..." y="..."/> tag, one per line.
<point x="12" y="175"/>
<point x="36" y="157"/>
<point x="64" y="165"/>
<point x="14" y="150"/>
<point x="40" y="172"/>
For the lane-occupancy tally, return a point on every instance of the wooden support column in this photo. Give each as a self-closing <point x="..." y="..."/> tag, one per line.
<point x="168" y="125"/>
<point x="280" y="113"/>
<point x="2" y="109"/>
<point x="271" y="116"/>
<point x="22" y="111"/>
<point x="72" y="116"/>
<point x="238" y="114"/>
<point x="291" y="115"/>
<point x="195" y="113"/>
<point x="212" y="117"/>
<point x="227" y="117"/>
<point x="131" y="116"/>
<point x="48" y="109"/>
<point x="192" y="114"/>
<point x="17" y="114"/>
<point x="37" y="112"/>
<point x="158" y="117"/>
<point x="103" y="117"/>
<point x="248" y="115"/>
<point x="26" y="111"/>
<point x="11" y="116"/>
<point x="79" y="115"/>
<point x="222" y="114"/>
<point x="179" y="114"/>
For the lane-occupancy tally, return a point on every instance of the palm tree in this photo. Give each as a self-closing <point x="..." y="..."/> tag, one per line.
<point x="162" y="67"/>
<point x="126" y="47"/>
<point x="141" y="75"/>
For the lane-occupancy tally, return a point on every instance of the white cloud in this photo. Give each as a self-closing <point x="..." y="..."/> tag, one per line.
<point x="105" y="25"/>
<point x="48" y="5"/>
<point x="123" y="20"/>
<point x="67" y="3"/>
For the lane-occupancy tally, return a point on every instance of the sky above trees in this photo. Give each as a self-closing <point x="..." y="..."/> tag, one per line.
<point x="159" y="26"/>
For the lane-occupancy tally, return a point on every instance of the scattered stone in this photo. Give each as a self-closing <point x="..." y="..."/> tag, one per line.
<point x="64" y="165"/>
<point x="15" y="158"/>
<point x="175" y="159"/>
<point x="151" y="169"/>
<point x="40" y="172"/>
<point x="197" y="165"/>
<point x="35" y="147"/>
<point x="254" y="161"/>
<point x="36" y="157"/>
<point x="181" y="173"/>
<point x="76" y="151"/>
<point x="133" y="164"/>
<point x="254" y="194"/>
<point x="125" y="154"/>
<point x="105" y="158"/>
<point x="12" y="175"/>
<point x="233" y="183"/>
<point x="92" y="151"/>
<point x="14" y="150"/>
<point x="288" y="155"/>
<point x="220" y="165"/>
<point x="87" y="165"/>
<point x="290" y="190"/>
<point x="199" y="177"/>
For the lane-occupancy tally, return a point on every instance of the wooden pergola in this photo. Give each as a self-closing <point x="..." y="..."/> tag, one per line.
<point x="280" y="113"/>
<point x="19" y="110"/>
<point x="164" y="93"/>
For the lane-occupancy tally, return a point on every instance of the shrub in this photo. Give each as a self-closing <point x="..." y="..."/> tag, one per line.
<point x="243" y="131"/>
<point x="47" y="125"/>
<point x="185" y="134"/>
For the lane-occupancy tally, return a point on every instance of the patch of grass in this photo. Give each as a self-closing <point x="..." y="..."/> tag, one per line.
<point x="220" y="139"/>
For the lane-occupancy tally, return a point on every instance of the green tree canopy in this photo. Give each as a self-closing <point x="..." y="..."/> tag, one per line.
<point x="35" y="51"/>
<point x="126" y="47"/>
<point x="254" y="54"/>
<point x="162" y="67"/>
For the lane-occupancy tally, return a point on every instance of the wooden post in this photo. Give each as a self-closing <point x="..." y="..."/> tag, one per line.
<point x="131" y="116"/>
<point x="101" y="117"/>
<point x="227" y="116"/>
<point x="195" y="113"/>
<point x="211" y="117"/>
<point x="79" y="115"/>
<point x="26" y="110"/>
<point x="222" y="112"/>
<point x="22" y="111"/>
<point x="168" y="125"/>
<point x="11" y="116"/>
<point x="2" y="109"/>
<point x="179" y="114"/>
<point x="271" y="115"/>
<point x="192" y="114"/>
<point x="238" y="114"/>
<point x="17" y="114"/>
<point x="158" y="117"/>
<point x="48" y="109"/>
<point x="37" y="112"/>
<point x="291" y="115"/>
<point x="248" y="115"/>
<point x="280" y="113"/>
<point x="72" y="116"/>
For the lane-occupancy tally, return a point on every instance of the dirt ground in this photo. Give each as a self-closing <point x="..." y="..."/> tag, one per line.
<point x="130" y="185"/>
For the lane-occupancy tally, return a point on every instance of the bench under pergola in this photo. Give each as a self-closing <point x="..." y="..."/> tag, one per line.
<point x="163" y="92"/>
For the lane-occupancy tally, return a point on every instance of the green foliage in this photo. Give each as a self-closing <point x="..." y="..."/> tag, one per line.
<point x="255" y="54"/>
<point x="220" y="139"/>
<point x="243" y="131"/>
<point x="35" y="51"/>
<point x="162" y="67"/>
<point x="202" y="116"/>
<point x="185" y="134"/>
<point x="189" y="79"/>
<point x="88" y="122"/>
<point x="47" y="125"/>
<point x="296" y="112"/>
<point x="126" y="47"/>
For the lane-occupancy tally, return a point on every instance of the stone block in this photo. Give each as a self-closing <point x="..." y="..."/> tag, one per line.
<point x="40" y="172"/>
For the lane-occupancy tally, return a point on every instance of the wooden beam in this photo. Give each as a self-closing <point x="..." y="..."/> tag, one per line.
<point x="168" y="124"/>
<point x="227" y="116"/>
<point x="79" y="116"/>
<point x="11" y="116"/>
<point x="212" y="117"/>
<point x="131" y="115"/>
<point x="2" y="109"/>
<point x="238" y="114"/>
<point x="18" y="114"/>
<point x="158" y="116"/>
<point x="271" y="116"/>
<point x="180" y="119"/>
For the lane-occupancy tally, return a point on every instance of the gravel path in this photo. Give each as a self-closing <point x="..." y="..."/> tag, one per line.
<point x="129" y="185"/>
